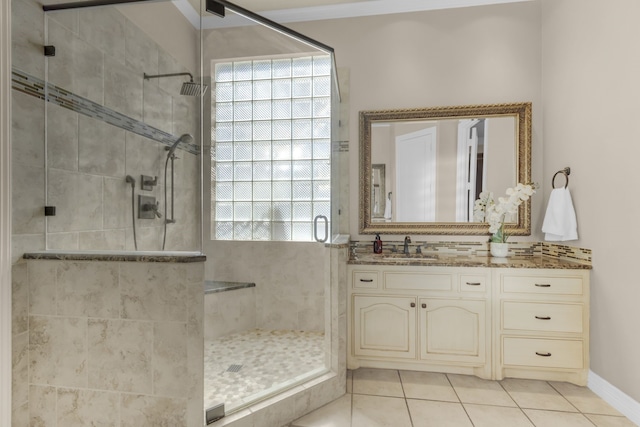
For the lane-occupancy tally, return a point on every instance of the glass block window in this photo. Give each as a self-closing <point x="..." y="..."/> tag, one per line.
<point x="271" y="157"/>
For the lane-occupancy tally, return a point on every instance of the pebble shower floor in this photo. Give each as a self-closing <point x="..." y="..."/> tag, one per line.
<point x="239" y="366"/>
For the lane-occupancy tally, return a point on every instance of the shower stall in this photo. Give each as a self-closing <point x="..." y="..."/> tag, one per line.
<point x="149" y="143"/>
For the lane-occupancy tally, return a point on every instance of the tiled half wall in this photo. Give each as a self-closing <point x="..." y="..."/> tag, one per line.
<point x="108" y="343"/>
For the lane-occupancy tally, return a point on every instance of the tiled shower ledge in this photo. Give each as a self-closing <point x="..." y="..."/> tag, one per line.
<point x="118" y="256"/>
<point x="33" y="86"/>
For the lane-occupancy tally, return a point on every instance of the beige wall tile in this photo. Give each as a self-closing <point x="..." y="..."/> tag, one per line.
<point x="78" y="199"/>
<point x="122" y="89"/>
<point x="141" y="53"/>
<point x="88" y="289"/>
<point x="42" y="406"/>
<point x="80" y="408"/>
<point x="27" y="37"/>
<point x="110" y="240"/>
<point x="20" y="369"/>
<point x="42" y="287"/>
<point x="153" y="291"/>
<point x="120" y="355"/>
<point x="27" y="127"/>
<point x="104" y="28"/>
<point x="20" y="415"/>
<point x="149" y="411"/>
<point x="101" y="148"/>
<point x="62" y="138"/>
<point x="58" y="351"/>
<point x="170" y="363"/>
<point x="66" y="241"/>
<point x="19" y="299"/>
<point x="27" y="200"/>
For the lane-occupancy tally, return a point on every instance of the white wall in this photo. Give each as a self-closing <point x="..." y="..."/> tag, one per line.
<point x="475" y="55"/>
<point x="591" y="90"/>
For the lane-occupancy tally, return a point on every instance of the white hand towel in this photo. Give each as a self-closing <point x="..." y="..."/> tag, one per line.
<point x="560" y="219"/>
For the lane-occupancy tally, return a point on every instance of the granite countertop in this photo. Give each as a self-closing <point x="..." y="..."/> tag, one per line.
<point x="116" y="256"/>
<point x="467" y="260"/>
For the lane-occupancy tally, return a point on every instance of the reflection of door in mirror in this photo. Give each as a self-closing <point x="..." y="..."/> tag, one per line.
<point x="416" y="179"/>
<point x="378" y="194"/>
<point x="471" y="171"/>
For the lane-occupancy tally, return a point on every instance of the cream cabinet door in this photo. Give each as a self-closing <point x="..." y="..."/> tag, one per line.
<point x="452" y="330"/>
<point x="384" y="326"/>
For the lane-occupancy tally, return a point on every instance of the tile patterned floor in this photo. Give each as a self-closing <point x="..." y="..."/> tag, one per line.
<point x="390" y="398"/>
<point x="240" y="366"/>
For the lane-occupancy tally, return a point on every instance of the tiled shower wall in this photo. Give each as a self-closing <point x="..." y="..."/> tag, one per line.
<point x="109" y="343"/>
<point x="102" y="56"/>
<point x="290" y="279"/>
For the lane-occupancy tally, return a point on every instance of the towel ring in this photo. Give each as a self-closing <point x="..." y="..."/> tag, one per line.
<point x="566" y="172"/>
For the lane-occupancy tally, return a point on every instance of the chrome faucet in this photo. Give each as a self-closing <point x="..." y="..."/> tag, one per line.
<point x="407" y="240"/>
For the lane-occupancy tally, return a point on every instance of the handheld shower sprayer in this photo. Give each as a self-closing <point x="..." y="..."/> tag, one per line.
<point x="186" y="138"/>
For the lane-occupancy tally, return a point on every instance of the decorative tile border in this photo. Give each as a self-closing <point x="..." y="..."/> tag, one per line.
<point x="570" y="253"/>
<point x="33" y="86"/>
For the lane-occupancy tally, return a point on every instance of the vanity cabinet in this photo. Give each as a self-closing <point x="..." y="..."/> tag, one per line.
<point x="543" y="331"/>
<point x="490" y="322"/>
<point x="425" y="318"/>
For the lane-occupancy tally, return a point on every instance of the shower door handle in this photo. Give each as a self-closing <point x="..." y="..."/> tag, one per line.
<point x="326" y="228"/>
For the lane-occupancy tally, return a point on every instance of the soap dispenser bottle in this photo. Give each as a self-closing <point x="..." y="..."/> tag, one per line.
<point x="377" y="245"/>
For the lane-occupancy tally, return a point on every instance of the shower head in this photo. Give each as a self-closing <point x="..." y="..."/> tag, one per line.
<point x="189" y="88"/>
<point x="186" y="138"/>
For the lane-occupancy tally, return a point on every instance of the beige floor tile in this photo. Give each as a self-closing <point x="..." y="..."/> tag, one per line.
<point x="557" y="419"/>
<point x="472" y="389"/>
<point x="379" y="411"/>
<point x="584" y="399"/>
<point x="494" y="416"/>
<point x="536" y="395"/>
<point x="349" y="381"/>
<point x="426" y="413"/>
<point x="609" y="421"/>
<point x="377" y="382"/>
<point x="334" y="414"/>
<point x="427" y="385"/>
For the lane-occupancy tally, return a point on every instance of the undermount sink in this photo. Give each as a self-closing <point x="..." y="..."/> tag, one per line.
<point x="409" y="257"/>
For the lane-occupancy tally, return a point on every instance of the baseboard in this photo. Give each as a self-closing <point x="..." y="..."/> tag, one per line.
<point x="614" y="397"/>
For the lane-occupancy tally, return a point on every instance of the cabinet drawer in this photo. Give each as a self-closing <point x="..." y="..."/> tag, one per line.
<point x="473" y="283"/>
<point x="365" y="279"/>
<point x="543" y="285"/>
<point x="531" y="316"/>
<point x="543" y="353"/>
<point x="418" y="281"/>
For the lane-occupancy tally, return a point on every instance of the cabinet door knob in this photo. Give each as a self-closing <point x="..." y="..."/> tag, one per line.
<point x="543" y="317"/>
<point x="543" y="354"/>
<point x="413" y="304"/>
<point x="424" y="305"/>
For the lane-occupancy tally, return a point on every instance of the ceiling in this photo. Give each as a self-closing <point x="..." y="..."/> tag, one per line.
<point x="284" y="11"/>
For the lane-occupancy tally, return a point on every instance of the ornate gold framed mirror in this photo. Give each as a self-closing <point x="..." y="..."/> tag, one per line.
<point x="421" y="170"/>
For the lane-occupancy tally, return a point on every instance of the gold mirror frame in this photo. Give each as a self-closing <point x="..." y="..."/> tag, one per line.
<point x="522" y="114"/>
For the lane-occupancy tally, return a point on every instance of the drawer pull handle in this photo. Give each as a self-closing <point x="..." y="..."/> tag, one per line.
<point x="366" y="280"/>
<point x="543" y="317"/>
<point x="424" y="305"/>
<point x="413" y="304"/>
<point x="543" y="354"/>
<point x="474" y="283"/>
<point x="543" y="285"/>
